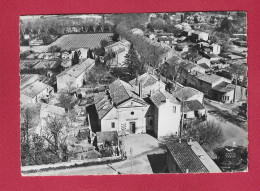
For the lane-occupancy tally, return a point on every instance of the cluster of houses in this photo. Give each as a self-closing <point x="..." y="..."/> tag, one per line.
<point x="141" y="105"/>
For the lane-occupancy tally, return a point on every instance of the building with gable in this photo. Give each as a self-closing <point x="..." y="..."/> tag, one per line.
<point x="74" y="77"/>
<point x="120" y="109"/>
<point x="189" y="157"/>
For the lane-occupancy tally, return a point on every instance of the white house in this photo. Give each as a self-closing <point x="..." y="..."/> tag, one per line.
<point x="32" y="93"/>
<point x="188" y="94"/>
<point x="120" y="49"/>
<point x="74" y="77"/>
<point x="164" y="114"/>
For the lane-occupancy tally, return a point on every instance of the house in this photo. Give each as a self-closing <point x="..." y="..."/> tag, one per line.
<point x="205" y="83"/>
<point x="188" y="73"/>
<point x="188" y="94"/>
<point x="187" y="32"/>
<point x="32" y="93"/>
<point x="149" y="83"/>
<point x="36" y="42"/>
<point x="119" y="109"/>
<point x="193" y="109"/>
<point x="74" y="77"/>
<point x="200" y="60"/>
<point x="183" y="47"/>
<point x="164" y="114"/>
<point x="197" y="36"/>
<point x="120" y="49"/>
<point x="206" y="67"/>
<point x="189" y="157"/>
<point x="137" y="31"/>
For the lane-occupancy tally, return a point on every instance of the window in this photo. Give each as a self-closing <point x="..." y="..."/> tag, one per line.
<point x="132" y="113"/>
<point x="185" y="116"/>
<point x="174" y="109"/>
<point x="113" y="125"/>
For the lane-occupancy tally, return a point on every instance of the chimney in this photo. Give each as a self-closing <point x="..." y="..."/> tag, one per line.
<point x="140" y="90"/>
<point x="187" y="170"/>
<point x="179" y="140"/>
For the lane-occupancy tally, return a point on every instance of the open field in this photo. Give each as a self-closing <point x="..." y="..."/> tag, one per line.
<point x="75" y="41"/>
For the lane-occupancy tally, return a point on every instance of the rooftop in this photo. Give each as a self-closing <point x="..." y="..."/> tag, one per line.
<point x="186" y="93"/>
<point x="209" y="78"/>
<point x="224" y="87"/>
<point x="185" y="158"/>
<point x="193" y="105"/>
<point x="159" y="98"/>
<point x="33" y="89"/>
<point x="121" y="91"/>
<point x="145" y="79"/>
<point x="78" y="69"/>
<point x="204" y="65"/>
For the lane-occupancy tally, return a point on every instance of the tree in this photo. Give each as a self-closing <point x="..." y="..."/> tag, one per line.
<point x="96" y="74"/>
<point x="237" y="70"/>
<point x="115" y="37"/>
<point x="90" y="54"/>
<point x="55" y="134"/>
<point x="47" y="39"/>
<point x="75" y="58"/>
<point x="54" y="49"/>
<point x="208" y="134"/>
<point x="104" y="43"/>
<point x="226" y="25"/>
<point x="65" y="100"/>
<point x="132" y="62"/>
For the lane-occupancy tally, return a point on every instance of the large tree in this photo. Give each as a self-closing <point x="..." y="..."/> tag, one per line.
<point x="65" y="100"/>
<point x="55" y="134"/>
<point x="132" y="62"/>
<point x="96" y="74"/>
<point x="208" y="134"/>
<point x="75" y="58"/>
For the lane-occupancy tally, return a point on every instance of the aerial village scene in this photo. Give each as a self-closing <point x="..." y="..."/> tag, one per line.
<point x="146" y="93"/>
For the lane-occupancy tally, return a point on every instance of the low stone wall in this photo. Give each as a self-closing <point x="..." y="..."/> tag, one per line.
<point x="71" y="164"/>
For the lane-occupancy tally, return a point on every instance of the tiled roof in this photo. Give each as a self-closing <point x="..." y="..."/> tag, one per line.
<point x="111" y="136"/>
<point x="159" y="98"/>
<point x="224" y="87"/>
<point x="185" y="93"/>
<point x="192" y="105"/>
<point x="204" y="65"/>
<point x="145" y="79"/>
<point x="209" y="78"/>
<point x="121" y="91"/>
<point x="32" y="90"/>
<point x="185" y="158"/>
<point x="103" y="104"/>
<point x="78" y="69"/>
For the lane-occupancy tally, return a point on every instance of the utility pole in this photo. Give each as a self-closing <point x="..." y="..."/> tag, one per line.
<point x="182" y="118"/>
<point x="131" y="153"/>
